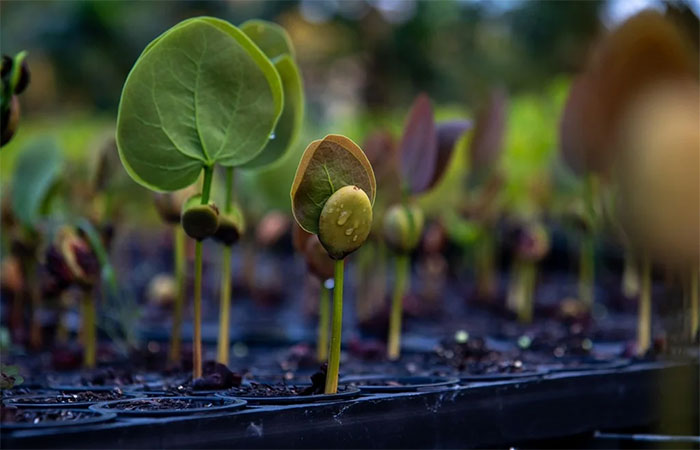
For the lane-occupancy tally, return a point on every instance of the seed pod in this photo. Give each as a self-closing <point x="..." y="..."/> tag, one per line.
<point x="70" y="259"/>
<point x="199" y="221"/>
<point x="5" y="67"/>
<point x="10" y="121"/>
<point x="231" y="227"/>
<point x="345" y="221"/>
<point x="403" y="227"/>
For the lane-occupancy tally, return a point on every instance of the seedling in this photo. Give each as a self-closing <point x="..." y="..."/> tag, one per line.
<point x="200" y="95"/>
<point x="15" y="79"/>
<point x="424" y="152"/>
<point x="274" y="42"/>
<point x="71" y="261"/>
<point x="169" y="207"/>
<point x="35" y="177"/>
<point x="531" y="245"/>
<point x="332" y="197"/>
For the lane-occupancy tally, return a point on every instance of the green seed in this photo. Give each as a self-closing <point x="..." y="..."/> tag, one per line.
<point x="337" y="237"/>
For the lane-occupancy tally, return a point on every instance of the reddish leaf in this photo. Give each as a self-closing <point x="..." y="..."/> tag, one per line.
<point x="419" y="146"/>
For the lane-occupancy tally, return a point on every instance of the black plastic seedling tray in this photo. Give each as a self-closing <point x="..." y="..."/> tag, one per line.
<point x="474" y="414"/>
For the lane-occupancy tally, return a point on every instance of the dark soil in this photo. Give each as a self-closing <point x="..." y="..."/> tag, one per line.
<point x="12" y="415"/>
<point x="157" y="404"/>
<point x="69" y="398"/>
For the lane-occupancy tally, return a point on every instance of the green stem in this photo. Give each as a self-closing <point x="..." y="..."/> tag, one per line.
<point x="175" y="337"/>
<point x="630" y="276"/>
<point x="694" y="306"/>
<point x="526" y="300"/>
<point x="89" y="331"/>
<point x="394" y="341"/>
<point x="197" y="337"/>
<point x="222" y="353"/>
<point x="334" y="357"/>
<point x="224" y="307"/>
<point x="485" y="267"/>
<point x="644" y="313"/>
<point x="586" y="270"/>
<point x="324" y="318"/>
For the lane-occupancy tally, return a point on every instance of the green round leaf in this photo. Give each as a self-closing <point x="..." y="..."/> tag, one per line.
<point x="327" y="165"/>
<point x="272" y="39"/>
<point x="202" y="93"/>
<point x="36" y="171"/>
<point x="292" y="116"/>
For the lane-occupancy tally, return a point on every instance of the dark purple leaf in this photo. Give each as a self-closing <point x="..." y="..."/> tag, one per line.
<point x="448" y="133"/>
<point x="418" y="146"/>
<point x="489" y="131"/>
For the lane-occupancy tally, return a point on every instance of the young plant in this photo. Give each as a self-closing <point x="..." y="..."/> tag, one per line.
<point x="15" y="79"/>
<point x="35" y="178"/>
<point x="332" y="196"/>
<point x="72" y="261"/>
<point x="485" y="148"/>
<point x="531" y="245"/>
<point x="200" y="95"/>
<point x="274" y="42"/>
<point x="169" y="208"/>
<point x="424" y="153"/>
<point x="657" y="175"/>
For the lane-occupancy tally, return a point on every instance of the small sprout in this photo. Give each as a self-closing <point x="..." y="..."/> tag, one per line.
<point x="403" y="227"/>
<point x="10" y="120"/>
<point x="345" y="221"/>
<point x="199" y="221"/>
<point x="231" y="227"/>
<point x="72" y="260"/>
<point x="333" y="192"/>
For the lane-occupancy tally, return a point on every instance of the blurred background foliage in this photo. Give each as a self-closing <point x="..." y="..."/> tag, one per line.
<point x="362" y="62"/>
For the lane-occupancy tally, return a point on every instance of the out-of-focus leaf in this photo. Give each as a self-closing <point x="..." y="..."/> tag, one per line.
<point x="36" y="171"/>
<point x="289" y="124"/>
<point x="93" y="236"/>
<point x="202" y="93"/>
<point x="448" y="133"/>
<point x="419" y="146"/>
<point x="489" y="130"/>
<point x="272" y="39"/>
<point x="327" y="165"/>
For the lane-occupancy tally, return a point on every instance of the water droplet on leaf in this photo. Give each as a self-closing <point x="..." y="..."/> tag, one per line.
<point x="343" y="217"/>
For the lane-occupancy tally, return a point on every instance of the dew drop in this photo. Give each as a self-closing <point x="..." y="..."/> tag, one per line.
<point x="354" y="238"/>
<point x="343" y="217"/>
<point x="349" y="231"/>
<point x="272" y="135"/>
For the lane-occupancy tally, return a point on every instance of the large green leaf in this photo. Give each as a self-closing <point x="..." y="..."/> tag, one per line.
<point x="36" y="171"/>
<point x="202" y="93"/>
<point x="272" y="39"/>
<point x="327" y="165"/>
<point x="292" y="116"/>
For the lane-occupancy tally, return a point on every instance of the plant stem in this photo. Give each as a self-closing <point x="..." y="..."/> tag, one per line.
<point x="175" y="338"/>
<point x="694" y="306"/>
<point x="485" y="267"/>
<point x="334" y="358"/>
<point x="224" y="307"/>
<point x="644" y="314"/>
<point x="630" y="276"/>
<point x="197" y="337"/>
<point x="528" y="276"/>
<point x="586" y="270"/>
<point x="324" y="311"/>
<point x="89" y="330"/>
<point x="224" y="343"/>
<point x="394" y="341"/>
